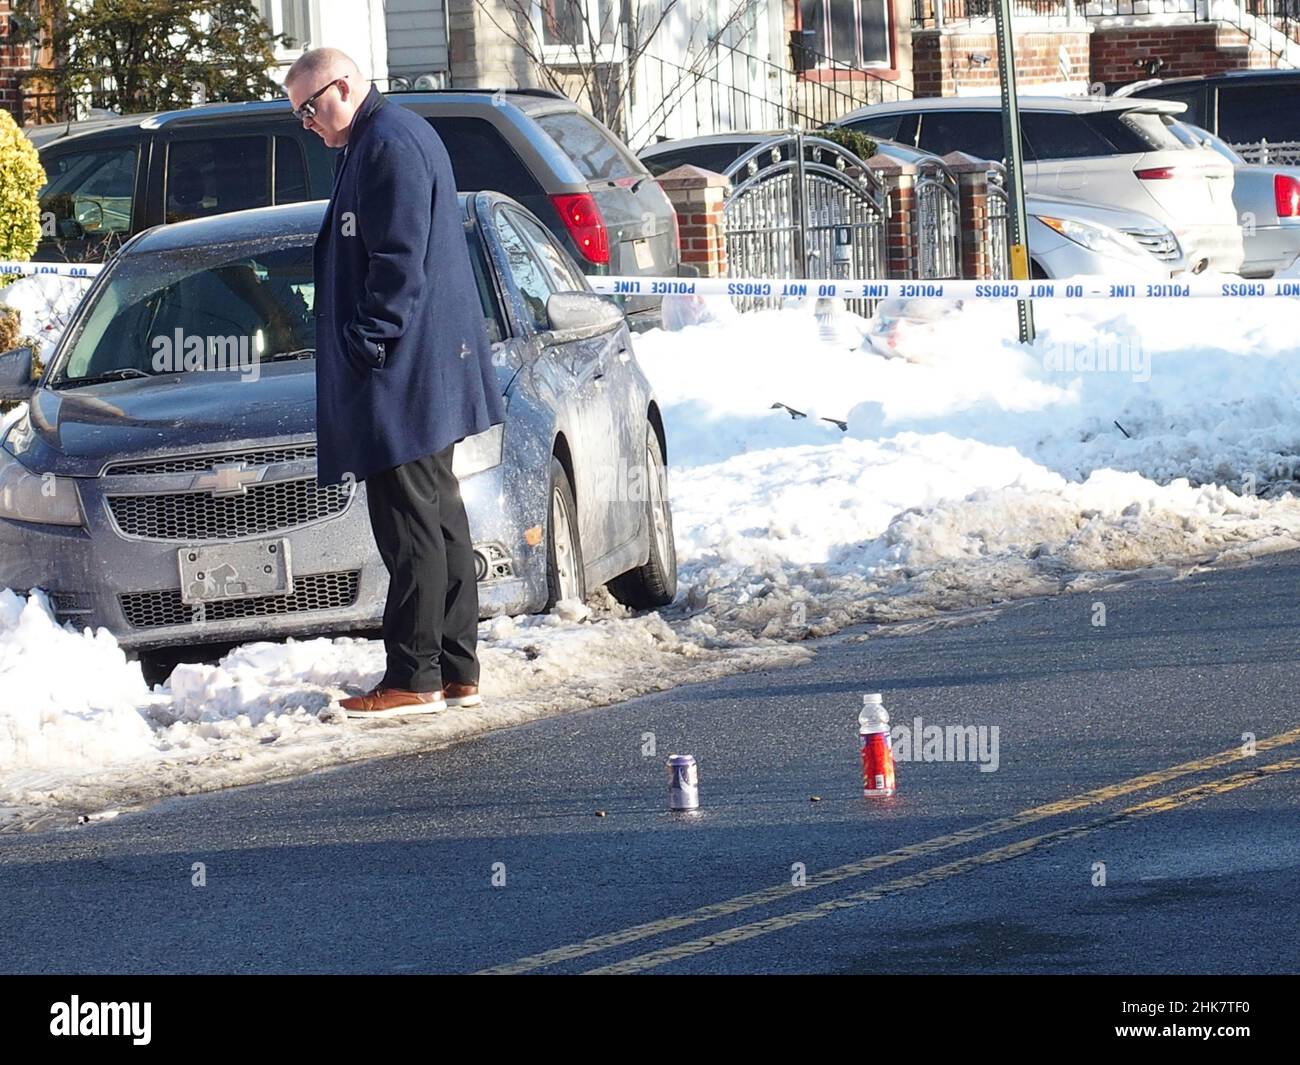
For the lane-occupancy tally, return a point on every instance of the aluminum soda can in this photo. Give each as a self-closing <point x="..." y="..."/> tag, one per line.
<point x="877" y="765"/>
<point x="683" y="783"/>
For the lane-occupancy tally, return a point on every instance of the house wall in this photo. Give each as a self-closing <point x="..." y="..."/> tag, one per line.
<point x="1118" y="53"/>
<point x="942" y="63"/>
<point x="417" y="37"/>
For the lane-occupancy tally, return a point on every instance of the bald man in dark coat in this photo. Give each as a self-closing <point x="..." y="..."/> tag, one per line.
<point x="403" y="371"/>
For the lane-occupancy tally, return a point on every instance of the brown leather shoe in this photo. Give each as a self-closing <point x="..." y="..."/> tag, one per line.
<point x="462" y="694"/>
<point x="392" y="702"/>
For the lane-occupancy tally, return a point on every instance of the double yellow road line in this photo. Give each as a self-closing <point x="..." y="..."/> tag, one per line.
<point x="779" y="892"/>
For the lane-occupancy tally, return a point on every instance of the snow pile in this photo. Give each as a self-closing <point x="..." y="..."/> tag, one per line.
<point x="918" y="462"/>
<point x="52" y="716"/>
<point x="44" y="303"/>
<point x="973" y="469"/>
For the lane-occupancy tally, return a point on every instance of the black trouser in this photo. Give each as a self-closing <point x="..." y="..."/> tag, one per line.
<point x="431" y="617"/>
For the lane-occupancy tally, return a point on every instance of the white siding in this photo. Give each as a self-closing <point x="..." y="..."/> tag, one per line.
<point x="417" y="37"/>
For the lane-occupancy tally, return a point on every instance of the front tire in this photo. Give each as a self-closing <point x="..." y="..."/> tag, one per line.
<point x="565" y="578"/>
<point x="655" y="583"/>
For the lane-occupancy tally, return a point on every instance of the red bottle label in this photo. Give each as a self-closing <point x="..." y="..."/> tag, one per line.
<point x="877" y="764"/>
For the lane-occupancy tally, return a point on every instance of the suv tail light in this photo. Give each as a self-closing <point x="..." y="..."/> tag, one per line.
<point x="586" y="227"/>
<point x="1155" y="173"/>
<point x="1286" y="191"/>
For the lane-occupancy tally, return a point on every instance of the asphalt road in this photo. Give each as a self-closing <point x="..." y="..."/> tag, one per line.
<point x="389" y="866"/>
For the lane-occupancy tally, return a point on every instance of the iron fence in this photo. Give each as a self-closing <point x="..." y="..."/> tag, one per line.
<point x="1282" y="153"/>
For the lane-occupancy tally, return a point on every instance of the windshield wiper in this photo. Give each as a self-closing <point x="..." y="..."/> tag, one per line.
<point x="297" y="353"/>
<point x="122" y="373"/>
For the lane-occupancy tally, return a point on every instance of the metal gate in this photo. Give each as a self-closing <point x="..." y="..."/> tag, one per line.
<point x="937" y="228"/>
<point x="803" y="206"/>
<point x="997" y="231"/>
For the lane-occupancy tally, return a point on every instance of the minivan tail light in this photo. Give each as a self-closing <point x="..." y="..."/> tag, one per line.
<point x="1286" y="192"/>
<point x="1155" y="173"/>
<point x="586" y="227"/>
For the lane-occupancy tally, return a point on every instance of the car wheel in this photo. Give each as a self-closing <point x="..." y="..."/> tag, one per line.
<point x="655" y="583"/>
<point x="564" y="575"/>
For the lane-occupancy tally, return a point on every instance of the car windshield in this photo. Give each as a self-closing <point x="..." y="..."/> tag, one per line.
<point x="207" y="309"/>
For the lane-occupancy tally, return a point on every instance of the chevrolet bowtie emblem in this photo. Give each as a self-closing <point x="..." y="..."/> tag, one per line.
<point x="228" y="479"/>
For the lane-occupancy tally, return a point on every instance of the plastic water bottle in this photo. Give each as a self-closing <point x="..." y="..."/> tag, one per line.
<point x="877" y="748"/>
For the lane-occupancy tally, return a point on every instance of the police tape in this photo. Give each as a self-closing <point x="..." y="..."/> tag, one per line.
<point x="1085" y="287"/>
<point x="57" y="269"/>
<point x="1082" y="287"/>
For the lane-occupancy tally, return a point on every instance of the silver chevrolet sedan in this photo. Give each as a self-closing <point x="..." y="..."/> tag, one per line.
<point x="162" y="482"/>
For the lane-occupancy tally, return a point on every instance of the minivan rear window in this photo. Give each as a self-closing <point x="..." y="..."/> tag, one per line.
<point x="595" y="152"/>
<point x="1251" y="113"/>
<point x="481" y="158"/>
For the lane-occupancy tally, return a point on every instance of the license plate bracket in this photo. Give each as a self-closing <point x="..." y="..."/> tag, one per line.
<point x="235" y="571"/>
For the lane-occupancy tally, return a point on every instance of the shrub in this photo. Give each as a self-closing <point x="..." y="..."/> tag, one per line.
<point x="21" y="178"/>
<point x="858" y="143"/>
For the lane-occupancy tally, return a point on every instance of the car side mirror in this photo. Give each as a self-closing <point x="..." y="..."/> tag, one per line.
<point x="688" y="270"/>
<point x="16" y="374"/>
<point x="581" y="315"/>
<point x="90" y="215"/>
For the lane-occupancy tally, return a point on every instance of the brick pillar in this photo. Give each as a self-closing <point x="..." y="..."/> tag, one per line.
<point x="698" y="196"/>
<point x="973" y="193"/>
<point x="900" y="228"/>
<point x="15" y="56"/>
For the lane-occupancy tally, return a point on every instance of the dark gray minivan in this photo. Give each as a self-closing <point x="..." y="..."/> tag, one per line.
<point x="112" y="177"/>
<point x="1242" y="107"/>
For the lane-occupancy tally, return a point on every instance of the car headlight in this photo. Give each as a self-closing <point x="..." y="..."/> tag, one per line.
<point x="479" y="452"/>
<point x="1100" y="239"/>
<point x="46" y="500"/>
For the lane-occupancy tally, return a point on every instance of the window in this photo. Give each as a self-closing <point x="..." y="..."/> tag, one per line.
<point x="290" y="17"/>
<point x="847" y="32"/>
<point x="481" y="158"/>
<point x="562" y="23"/>
<point x="290" y="171"/>
<point x="1252" y="113"/>
<point x="215" y="176"/>
<point x="530" y="277"/>
<point x="596" y="154"/>
<point x="253" y="306"/>
<point x="1153" y="130"/>
<point x="884" y="128"/>
<point x="89" y="193"/>
<point x="715" y="157"/>
<point x="1062" y="136"/>
<point x="977" y="133"/>
<point x="558" y="268"/>
<point x="486" y="292"/>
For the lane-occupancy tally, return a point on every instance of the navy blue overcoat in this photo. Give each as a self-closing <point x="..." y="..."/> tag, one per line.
<point x="403" y="361"/>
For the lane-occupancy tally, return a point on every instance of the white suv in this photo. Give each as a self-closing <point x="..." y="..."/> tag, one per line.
<point x="1106" y="151"/>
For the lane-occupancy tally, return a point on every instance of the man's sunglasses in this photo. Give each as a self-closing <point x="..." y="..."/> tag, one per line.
<point x="308" y="109"/>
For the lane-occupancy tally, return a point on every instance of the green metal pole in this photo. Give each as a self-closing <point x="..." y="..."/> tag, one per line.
<point x="1015" y="162"/>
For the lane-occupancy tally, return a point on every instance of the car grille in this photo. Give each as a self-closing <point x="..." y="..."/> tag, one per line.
<point x="1162" y="245"/>
<point x="319" y="591"/>
<point x="199" y="463"/>
<point x="263" y="508"/>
